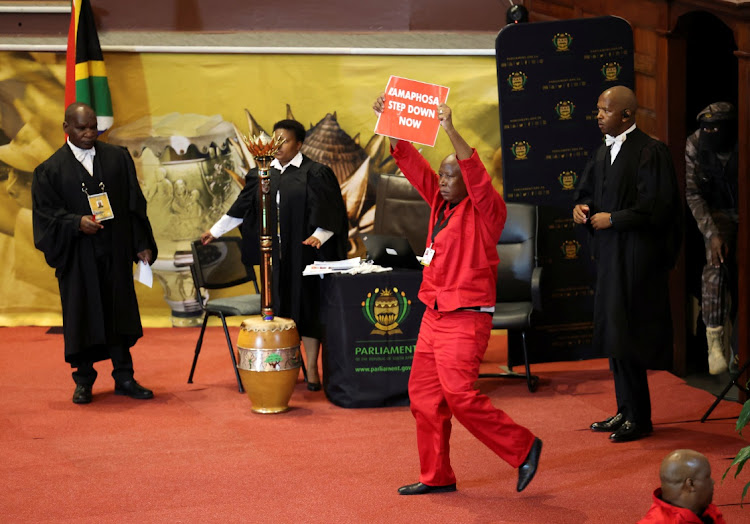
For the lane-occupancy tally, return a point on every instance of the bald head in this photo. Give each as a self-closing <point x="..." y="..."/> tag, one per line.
<point x="624" y="97"/>
<point x="616" y="110"/>
<point x="686" y="480"/>
<point x="77" y="108"/>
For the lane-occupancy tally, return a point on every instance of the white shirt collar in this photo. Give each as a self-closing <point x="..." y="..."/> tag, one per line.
<point x="84" y="156"/>
<point x="616" y="143"/>
<point x="619" y="138"/>
<point x="296" y="162"/>
<point x="80" y="152"/>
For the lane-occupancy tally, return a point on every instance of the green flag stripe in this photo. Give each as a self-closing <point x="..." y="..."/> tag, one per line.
<point x="94" y="91"/>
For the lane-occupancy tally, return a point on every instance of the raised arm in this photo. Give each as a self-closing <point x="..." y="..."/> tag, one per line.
<point x="445" y="115"/>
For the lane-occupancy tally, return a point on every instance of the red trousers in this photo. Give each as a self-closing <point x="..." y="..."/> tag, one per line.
<point x="446" y="362"/>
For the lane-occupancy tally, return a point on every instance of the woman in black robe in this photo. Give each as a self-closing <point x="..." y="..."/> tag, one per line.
<point x="312" y="225"/>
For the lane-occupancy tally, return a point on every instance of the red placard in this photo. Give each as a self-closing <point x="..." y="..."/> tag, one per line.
<point x="411" y="110"/>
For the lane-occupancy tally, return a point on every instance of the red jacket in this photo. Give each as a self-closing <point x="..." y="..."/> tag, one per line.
<point x="662" y="512"/>
<point x="463" y="272"/>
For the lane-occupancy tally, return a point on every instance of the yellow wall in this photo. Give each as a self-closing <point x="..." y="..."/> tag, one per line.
<point x="158" y="84"/>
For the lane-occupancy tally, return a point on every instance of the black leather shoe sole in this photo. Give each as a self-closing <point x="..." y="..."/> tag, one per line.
<point x="527" y="470"/>
<point x="82" y="395"/>
<point x="423" y="489"/>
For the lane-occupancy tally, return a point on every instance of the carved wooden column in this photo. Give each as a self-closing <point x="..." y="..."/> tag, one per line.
<point x="743" y="236"/>
<point x="671" y="127"/>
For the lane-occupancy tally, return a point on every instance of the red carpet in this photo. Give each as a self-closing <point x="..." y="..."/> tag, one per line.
<point x="196" y="453"/>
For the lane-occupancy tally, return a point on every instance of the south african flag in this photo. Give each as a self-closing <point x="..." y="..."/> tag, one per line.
<point x="86" y="77"/>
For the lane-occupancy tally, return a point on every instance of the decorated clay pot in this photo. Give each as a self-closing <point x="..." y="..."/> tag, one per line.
<point x="269" y="360"/>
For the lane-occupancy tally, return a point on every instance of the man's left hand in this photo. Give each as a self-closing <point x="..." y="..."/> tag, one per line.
<point x="313" y="241"/>
<point x="146" y="256"/>
<point x="600" y="221"/>
<point x="445" y="115"/>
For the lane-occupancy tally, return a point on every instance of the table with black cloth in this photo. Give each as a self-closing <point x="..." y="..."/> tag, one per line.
<point x="370" y="325"/>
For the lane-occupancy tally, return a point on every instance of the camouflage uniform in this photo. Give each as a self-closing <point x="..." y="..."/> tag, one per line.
<point x="710" y="190"/>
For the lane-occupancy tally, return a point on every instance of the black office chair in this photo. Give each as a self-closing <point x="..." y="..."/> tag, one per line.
<point x="400" y="211"/>
<point x="518" y="281"/>
<point x="218" y="265"/>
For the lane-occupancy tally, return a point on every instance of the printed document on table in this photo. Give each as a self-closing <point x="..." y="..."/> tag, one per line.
<point x="331" y="266"/>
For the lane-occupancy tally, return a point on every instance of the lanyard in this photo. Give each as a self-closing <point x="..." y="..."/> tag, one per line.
<point x="440" y="224"/>
<point x="83" y="188"/>
<point x="91" y="177"/>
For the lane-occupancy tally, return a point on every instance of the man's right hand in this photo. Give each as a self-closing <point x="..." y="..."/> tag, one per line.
<point x="718" y="250"/>
<point x="580" y="214"/>
<point x="207" y="238"/>
<point x="379" y="104"/>
<point x="89" y="225"/>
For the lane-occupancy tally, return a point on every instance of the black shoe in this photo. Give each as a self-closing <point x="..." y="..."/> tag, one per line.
<point x="82" y="394"/>
<point x="133" y="389"/>
<point x="423" y="489"/>
<point x="527" y="470"/>
<point x="609" y="425"/>
<point x="313" y="386"/>
<point x="631" y="431"/>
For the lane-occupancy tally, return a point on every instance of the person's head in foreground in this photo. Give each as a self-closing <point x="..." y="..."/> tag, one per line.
<point x="686" y="480"/>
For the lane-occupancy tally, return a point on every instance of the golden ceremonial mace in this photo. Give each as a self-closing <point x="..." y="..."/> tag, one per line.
<point x="264" y="148"/>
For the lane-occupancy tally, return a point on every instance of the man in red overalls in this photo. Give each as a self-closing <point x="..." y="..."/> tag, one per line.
<point x="458" y="287"/>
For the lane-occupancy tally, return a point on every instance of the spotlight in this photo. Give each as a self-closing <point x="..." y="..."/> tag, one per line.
<point x="516" y="14"/>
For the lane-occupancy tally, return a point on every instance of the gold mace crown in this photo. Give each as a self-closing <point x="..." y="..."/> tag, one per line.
<point x="263" y="145"/>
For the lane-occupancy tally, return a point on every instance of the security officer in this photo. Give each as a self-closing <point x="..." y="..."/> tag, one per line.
<point x="711" y="192"/>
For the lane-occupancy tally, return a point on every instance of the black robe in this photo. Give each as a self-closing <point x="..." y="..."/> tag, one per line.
<point x="99" y="307"/>
<point x="632" y="317"/>
<point x="310" y="198"/>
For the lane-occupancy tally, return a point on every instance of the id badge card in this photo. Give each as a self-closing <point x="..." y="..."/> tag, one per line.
<point x="428" y="254"/>
<point x="100" y="207"/>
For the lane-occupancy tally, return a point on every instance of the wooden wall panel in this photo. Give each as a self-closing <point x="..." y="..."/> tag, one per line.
<point x="642" y="13"/>
<point x="44" y="24"/>
<point x="645" y="44"/>
<point x="550" y="10"/>
<point x="289" y="15"/>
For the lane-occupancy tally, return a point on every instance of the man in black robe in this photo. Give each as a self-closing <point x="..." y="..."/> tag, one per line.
<point x="93" y="257"/>
<point x="629" y="200"/>
<point x="312" y="225"/>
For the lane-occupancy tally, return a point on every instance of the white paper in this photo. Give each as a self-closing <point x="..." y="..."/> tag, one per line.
<point x="335" y="266"/>
<point x="143" y="274"/>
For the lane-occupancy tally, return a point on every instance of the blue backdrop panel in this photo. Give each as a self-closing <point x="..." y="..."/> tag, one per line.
<point x="549" y="77"/>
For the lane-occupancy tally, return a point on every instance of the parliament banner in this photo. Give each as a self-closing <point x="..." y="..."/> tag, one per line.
<point x="549" y="76"/>
<point x="371" y="323"/>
